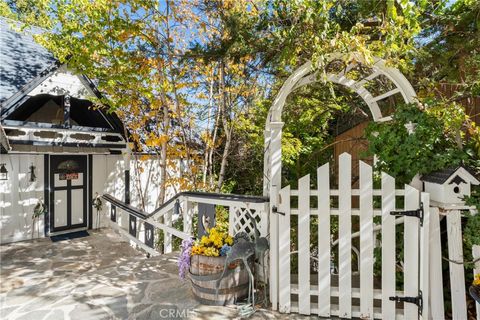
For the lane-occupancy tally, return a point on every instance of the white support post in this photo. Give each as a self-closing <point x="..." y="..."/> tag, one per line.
<point x="476" y="270"/>
<point x="284" y="252"/>
<point x="436" y="281"/>
<point x="266" y="163"/>
<point x="187" y="210"/>
<point x="167" y="237"/>
<point x="275" y="186"/>
<point x="231" y="219"/>
<point x="273" y="251"/>
<point x="457" y="272"/>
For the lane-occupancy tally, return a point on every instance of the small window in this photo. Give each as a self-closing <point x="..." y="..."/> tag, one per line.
<point x="69" y="166"/>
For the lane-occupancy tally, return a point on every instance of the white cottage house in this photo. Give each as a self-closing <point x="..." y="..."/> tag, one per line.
<point x="54" y="147"/>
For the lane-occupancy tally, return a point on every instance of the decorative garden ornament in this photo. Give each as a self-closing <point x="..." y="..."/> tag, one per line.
<point x="97" y="204"/>
<point x="261" y="246"/>
<point x="243" y="249"/>
<point x="33" y="176"/>
<point x="474" y="291"/>
<point x="3" y="172"/>
<point x="38" y="210"/>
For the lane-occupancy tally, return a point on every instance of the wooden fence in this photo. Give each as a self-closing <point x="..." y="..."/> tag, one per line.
<point x="309" y="283"/>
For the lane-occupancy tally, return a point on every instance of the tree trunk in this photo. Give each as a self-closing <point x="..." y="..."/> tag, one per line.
<point x="163" y="158"/>
<point x="212" y="149"/>
<point x="228" y="131"/>
<point x="208" y="143"/>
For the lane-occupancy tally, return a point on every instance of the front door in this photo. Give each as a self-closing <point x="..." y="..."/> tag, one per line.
<point x="68" y="196"/>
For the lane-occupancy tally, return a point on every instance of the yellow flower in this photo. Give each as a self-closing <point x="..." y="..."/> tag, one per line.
<point x="205" y="240"/>
<point x="476" y="281"/>
<point x="198" y="250"/>
<point x="211" y="252"/>
<point x="229" y="240"/>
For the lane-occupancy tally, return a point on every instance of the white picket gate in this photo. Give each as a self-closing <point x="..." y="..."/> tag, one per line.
<point x="353" y="291"/>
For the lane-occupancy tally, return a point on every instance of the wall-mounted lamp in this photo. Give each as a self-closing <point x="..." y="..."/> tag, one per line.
<point x="33" y="176"/>
<point x="3" y="172"/>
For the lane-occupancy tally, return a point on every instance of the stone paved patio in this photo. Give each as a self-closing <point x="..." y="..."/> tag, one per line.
<point x="97" y="277"/>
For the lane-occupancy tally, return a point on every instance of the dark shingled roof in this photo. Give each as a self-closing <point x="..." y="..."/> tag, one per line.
<point x="440" y="177"/>
<point x="21" y="58"/>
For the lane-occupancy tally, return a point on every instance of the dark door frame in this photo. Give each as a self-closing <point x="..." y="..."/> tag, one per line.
<point x="83" y="162"/>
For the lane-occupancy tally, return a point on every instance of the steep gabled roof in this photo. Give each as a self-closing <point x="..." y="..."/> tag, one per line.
<point x="441" y="176"/>
<point x="25" y="64"/>
<point x="21" y="59"/>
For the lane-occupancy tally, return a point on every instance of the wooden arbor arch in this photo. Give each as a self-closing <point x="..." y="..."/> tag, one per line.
<point x="305" y="75"/>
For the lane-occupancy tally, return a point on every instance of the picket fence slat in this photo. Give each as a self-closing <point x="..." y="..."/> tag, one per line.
<point x="323" y="183"/>
<point x="284" y="251"/>
<point x="425" y="261"/>
<point x="344" y="235"/>
<point x="366" y="241"/>
<point x="476" y="270"/>
<point x="388" y="246"/>
<point x="436" y="281"/>
<point x="411" y="252"/>
<point x="457" y="273"/>
<point x="304" y="245"/>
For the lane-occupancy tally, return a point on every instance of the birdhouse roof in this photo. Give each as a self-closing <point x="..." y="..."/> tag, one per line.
<point x="442" y="176"/>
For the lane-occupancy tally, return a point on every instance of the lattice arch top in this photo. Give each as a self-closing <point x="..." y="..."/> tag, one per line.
<point x="305" y="75"/>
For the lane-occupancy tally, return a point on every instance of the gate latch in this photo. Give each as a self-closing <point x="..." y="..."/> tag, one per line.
<point x="415" y="300"/>
<point x="410" y="213"/>
<point x="275" y="210"/>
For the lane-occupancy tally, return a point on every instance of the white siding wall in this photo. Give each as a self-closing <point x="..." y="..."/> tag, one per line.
<point x="18" y="197"/>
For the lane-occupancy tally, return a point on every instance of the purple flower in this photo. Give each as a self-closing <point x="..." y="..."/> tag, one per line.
<point x="184" y="259"/>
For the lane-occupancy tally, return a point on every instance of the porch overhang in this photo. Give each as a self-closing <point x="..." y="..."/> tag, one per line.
<point x="31" y="138"/>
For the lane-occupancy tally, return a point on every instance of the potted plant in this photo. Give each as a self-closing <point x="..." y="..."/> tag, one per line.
<point x="203" y="261"/>
<point x="475" y="288"/>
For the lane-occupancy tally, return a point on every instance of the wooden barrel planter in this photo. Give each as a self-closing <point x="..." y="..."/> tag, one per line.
<point x="204" y="272"/>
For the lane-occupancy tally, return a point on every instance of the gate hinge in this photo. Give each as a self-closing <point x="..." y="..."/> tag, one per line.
<point x="275" y="210"/>
<point x="410" y="213"/>
<point x="418" y="300"/>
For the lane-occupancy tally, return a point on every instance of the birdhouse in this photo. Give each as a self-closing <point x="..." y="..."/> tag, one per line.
<point x="449" y="186"/>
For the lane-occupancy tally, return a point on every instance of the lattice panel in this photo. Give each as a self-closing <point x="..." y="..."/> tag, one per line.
<point x="239" y="221"/>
